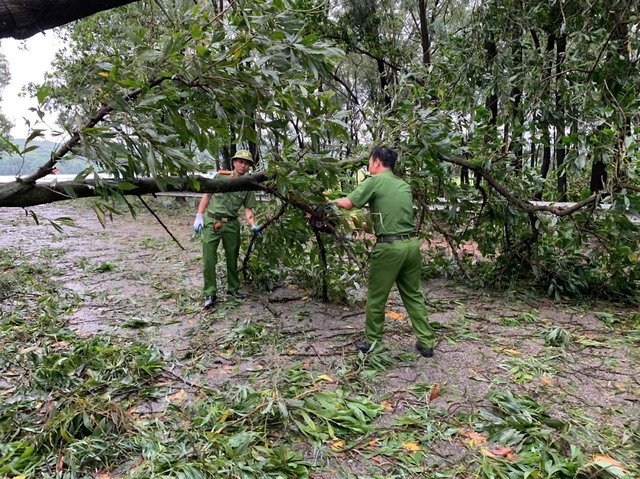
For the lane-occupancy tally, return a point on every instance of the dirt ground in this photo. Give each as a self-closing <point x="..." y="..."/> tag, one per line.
<point x="136" y="282"/>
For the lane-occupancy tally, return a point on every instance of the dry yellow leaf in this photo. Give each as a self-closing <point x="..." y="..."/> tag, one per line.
<point x="607" y="461"/>
<point x="411" y="446"/>
<point x="396" y="316"/>
<point x="502" y="451"/>
<point x="387" y="405"/>
<point x="324" y="377"/>
<point x="435" y="392"/>
<point x="337" y="445"/>
<point x="474" y="438"/>
<point x="224" y="416"/>
<point x="487" y="453"/>
<point x="511" y="351"/>
<point x="178" y="397"/>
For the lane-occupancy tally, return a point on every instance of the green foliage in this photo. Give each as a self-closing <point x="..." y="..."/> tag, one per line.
<point x="19" y="161"/>
<point x="289" y="252"/>
<point x="5" y="78"/>
<point x="246" y="77"/>
<point x="518" y="102"/>
<point x="542" y="445"/>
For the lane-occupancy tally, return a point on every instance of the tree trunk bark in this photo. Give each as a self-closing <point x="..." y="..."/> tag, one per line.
<point x="561" y="150"/>
<point x="425" y="36"/>
<point x="491" y="102"/>
<point x="20" y="195"/>
<point x="22" y="19"/>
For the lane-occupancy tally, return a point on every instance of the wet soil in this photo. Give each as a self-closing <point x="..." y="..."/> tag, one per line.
<point x="135" y="282"/>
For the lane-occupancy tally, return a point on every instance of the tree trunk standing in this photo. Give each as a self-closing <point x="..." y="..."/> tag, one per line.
<point x="545" y="126"/>
<point x="491" y="101"/>
<point x="425" y="37"/>
<point x="561" y="151"/>
<point x="218" y="6"/>
<point x="616" y="84"/>
<point x="546" y="158"/>
<point x="384" y="81"/>
<point x="517" y="116"/>
<point x="22" y="19"/>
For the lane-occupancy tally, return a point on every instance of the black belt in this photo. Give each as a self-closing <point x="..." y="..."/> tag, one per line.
<point x="224" y="219"/>
<point x="392" y="238"/>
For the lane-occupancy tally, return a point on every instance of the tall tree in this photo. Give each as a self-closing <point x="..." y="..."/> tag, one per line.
<point x="5" y="78"/>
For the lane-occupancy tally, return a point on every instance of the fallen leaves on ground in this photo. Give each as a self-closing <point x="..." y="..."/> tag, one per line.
<point x="435" y="392"/>
<point x="473" y="438"/>
<point x="411" y="446"/>
<point x="387" y="405"/>
<point x="396" y="316"/>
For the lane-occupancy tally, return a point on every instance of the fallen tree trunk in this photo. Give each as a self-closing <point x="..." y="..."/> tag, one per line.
<point x="19" y="195"/>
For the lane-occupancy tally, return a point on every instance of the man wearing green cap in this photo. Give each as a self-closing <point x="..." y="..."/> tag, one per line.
<point x="218" y="217"/>
<point x="396" y="257"/>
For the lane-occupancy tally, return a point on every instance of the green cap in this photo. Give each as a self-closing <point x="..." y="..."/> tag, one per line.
<point x="243" y="155"/>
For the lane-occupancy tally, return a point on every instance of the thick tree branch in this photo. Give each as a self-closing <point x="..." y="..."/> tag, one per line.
<point x="21" y="19"/>
<point x="18" y="194"/>
<point x="510" y="197"/>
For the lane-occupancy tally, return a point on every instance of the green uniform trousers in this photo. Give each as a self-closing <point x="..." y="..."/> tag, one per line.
<point x="398" y="262"/>
<point x="229" y="234"/>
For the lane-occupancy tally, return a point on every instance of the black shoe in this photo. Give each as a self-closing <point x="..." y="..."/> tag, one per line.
<point x="426" y="352"/>
<point x="209" y="301"/>
<point x="362" y="346"/>
<point x="236" y="294"/>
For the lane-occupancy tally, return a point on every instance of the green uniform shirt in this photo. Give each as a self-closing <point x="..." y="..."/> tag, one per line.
<point x="229" y="204"/>
<point x="390" y="201"/>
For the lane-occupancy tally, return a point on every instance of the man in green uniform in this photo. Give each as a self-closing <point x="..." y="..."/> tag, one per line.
<point x="220" y="224"/>
<point x="396" y="257"/>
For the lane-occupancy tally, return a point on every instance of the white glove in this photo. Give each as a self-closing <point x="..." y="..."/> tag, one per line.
<point x="198" y="224"/>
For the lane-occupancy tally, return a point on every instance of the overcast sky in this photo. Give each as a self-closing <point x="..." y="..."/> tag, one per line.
<point x="26" y="65"/>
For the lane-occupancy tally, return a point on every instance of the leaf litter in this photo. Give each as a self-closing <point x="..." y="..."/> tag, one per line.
<point x="110" y="368"/>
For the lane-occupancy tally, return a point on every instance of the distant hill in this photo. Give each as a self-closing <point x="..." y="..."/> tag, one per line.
<point x="12" y="164"/>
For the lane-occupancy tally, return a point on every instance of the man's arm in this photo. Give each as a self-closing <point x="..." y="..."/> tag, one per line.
<point x="344" y="203"/>
<point x="204" y="202"/>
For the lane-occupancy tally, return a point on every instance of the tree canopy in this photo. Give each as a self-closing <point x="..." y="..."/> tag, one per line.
<point x="499" y="108"/>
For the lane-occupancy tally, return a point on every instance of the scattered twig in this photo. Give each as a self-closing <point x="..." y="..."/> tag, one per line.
<point x="270" y="308"/>
<point x="160" y="221"/>
<point x="263" y="227"/>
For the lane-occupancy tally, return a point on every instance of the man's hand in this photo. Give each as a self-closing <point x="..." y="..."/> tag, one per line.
<point x="198" y="224"/>
<point x="257" y="230"/>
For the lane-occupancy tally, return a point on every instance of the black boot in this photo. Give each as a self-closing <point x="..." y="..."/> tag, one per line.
<point x="362" y="346"/>
<point x="426" y="352"/>
<point x="209" y="301"/>
<point x="236" y="294"/>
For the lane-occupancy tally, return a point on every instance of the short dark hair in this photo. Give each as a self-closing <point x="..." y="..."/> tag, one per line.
<point x="387" y="156"/>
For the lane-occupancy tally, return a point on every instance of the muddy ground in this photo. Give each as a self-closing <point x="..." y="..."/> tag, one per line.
<point x="135" y="282"/>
